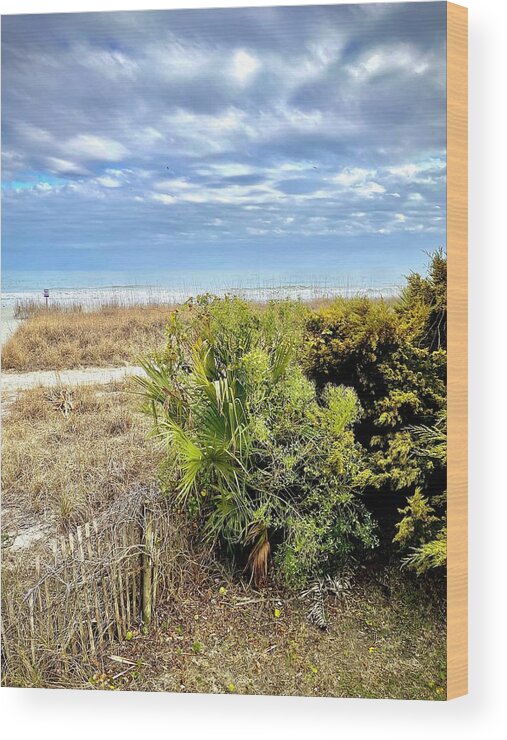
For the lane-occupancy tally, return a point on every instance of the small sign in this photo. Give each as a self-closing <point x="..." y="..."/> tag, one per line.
<point x="46" y="293"/>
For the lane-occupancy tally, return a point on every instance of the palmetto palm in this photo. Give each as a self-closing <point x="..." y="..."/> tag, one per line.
<point x="205" y="415"/>
<point x="251" y="450"/>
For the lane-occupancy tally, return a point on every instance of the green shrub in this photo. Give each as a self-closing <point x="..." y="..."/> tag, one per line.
<point x="263" y="465"/>
<point x="423" y="528"/>
<point x="394" y="356"/>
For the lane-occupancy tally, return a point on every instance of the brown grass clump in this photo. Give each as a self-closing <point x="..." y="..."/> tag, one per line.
<point x="65" y="462"/>
<point x="66" y="338"/>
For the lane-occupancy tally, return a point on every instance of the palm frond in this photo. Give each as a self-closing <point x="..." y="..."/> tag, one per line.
<point x="190" y="456"/>
<point x="280" y="360"/>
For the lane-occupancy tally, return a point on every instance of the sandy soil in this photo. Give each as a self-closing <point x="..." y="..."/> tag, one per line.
<point x="12" y="382"/>
<point x="8" y="324"/>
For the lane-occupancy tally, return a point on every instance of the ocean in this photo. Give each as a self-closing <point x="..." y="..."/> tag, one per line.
<point x="95" y="287"/>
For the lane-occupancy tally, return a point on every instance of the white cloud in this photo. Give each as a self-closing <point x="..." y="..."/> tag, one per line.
<point x="401" y="57"/>
<point x="63" y="166"/>
<point x="176" y="59"/>
<point x="175" y="184"/>
<point x="163" y="198"/>
<point x="244" y="66"/>
<point x="92" y="147"/>
<point x="352" y="176"/>
<point x="111" y="64"/>
<point x="419" y="172"/>
<point x="256" y="232"/>
<point x="228" y="169"/>
<point x="370" y="189"/>
<point x="292" y="167"/>
<point x="358" y="179"/>
<point x="109" y="182"/>
<point x="405" y="171"/>
<point x="35" y="134"/>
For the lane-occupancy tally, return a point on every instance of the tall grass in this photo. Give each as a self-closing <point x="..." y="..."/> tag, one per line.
<point x="62" y="337"/>
<point x="66" y="466"/>
<point x="112" y="333"/>
<point x="29" y="307"/>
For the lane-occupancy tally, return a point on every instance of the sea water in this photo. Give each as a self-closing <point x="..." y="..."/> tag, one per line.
<point x="93" y="288"/>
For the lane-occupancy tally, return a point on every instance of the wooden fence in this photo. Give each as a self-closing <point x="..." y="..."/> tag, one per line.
<point x="95" y="585"/>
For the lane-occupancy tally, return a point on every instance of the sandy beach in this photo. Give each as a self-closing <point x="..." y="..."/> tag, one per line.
<point x="50" y="379"/>
<point x="8" y="323"/>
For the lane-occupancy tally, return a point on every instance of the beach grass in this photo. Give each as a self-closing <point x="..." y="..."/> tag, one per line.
<point x="112" y="334"/>
<point x="67" y="453"/>
<point x="69" y="336"/>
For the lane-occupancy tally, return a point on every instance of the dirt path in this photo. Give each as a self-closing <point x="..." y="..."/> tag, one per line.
<point x="13" y="382"/>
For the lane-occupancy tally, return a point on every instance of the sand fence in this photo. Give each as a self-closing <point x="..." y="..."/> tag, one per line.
<point x="65" y="600"/>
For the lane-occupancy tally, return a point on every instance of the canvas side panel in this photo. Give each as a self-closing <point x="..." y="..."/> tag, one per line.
<point x="457" y="246"/>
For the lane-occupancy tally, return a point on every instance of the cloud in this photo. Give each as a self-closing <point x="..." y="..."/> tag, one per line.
<point x="109" y="182"/>
<point x="211" y="127"/>
<point x="352" y="176"/>
<point x="163" y="198"/>
<point x="405" y="59"/>
<point x="100" y="148"/>
<point x="244" y="66"/>
<point x="64" y="166"/>
<point x="370" y="189"/>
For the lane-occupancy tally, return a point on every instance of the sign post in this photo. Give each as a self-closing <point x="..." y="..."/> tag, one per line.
<point x="46" y="296"/>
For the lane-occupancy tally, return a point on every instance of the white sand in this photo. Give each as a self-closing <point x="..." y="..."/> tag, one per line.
<point x="12" y="382"/>
<point x="8" y="323"/>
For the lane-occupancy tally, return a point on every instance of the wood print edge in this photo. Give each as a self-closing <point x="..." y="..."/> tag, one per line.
<point x="457" y="371"/>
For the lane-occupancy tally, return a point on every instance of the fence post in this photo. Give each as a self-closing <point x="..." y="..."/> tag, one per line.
<point x="147" y="565"/>
<point x="31" y="606"/>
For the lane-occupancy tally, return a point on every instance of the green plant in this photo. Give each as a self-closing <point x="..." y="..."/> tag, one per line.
<point x="197" y="647"/>
<point x="394" y="356"/>
<point x="429" y="555"/>
<point x="262" y="465"/>
<point x="423" y="525"/>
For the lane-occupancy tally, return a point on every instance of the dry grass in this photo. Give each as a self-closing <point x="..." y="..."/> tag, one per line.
<point x="65" y="465"/>
<point x="115" y="334"/>
<point x="217" y="635"/>
<point x="70" y="337"/>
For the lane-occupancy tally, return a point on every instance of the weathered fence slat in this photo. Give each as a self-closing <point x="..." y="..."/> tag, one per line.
<point x="127" y="593"/>
<point x="81" y="560"/>
<point x="78" y="616"/>
<point x="88" y="588"/>
<point x="96" y="601"/>
<point x="147" y="575"/>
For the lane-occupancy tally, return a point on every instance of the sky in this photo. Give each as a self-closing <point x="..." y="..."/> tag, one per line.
<point x="306" y="138"/>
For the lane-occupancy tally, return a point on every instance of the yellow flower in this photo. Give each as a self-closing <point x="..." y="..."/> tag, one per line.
<point x="278" y="613"/>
